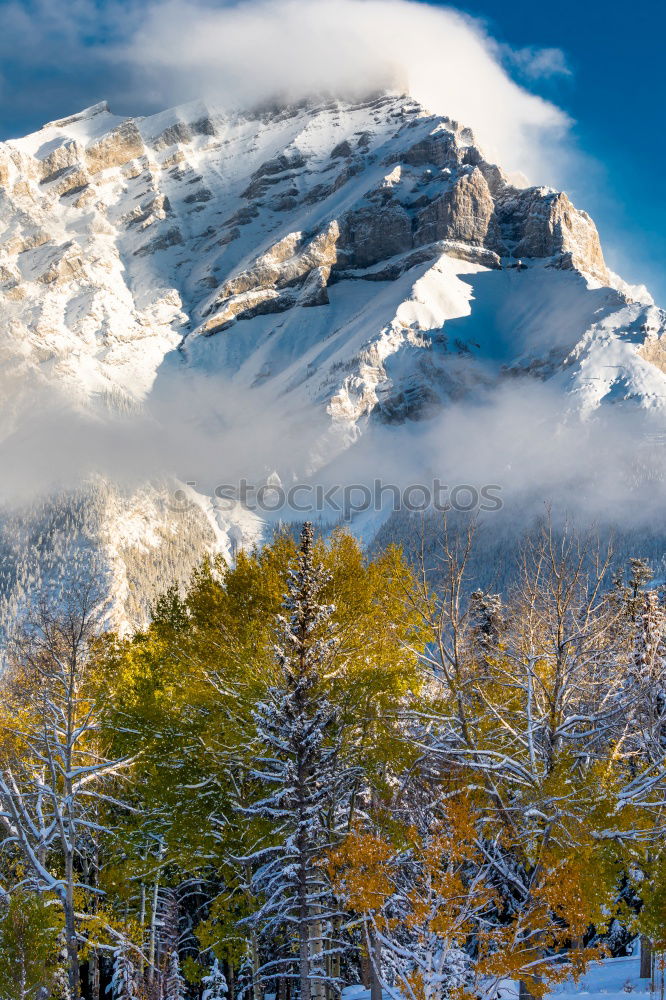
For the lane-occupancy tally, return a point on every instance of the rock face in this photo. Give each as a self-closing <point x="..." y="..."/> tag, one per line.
<point x="120" y="146"/>
<point x="346" y="264"/>
<point x="465" y="213"/>
<point x="119" y="237"/>
<point x="551" y="227"/>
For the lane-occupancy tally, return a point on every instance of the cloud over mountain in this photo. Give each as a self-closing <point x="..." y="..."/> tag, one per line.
<point x="144" y="57"/>
<point x="289" y="49"/>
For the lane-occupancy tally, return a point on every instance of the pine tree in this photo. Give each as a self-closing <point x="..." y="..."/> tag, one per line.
<point x="174" y="986"/>
<point x="245" y="980"/>
<point x="647" y="688"/>
<point x="298" y="765"/>
<point x="124" y="982"/>
<point x="487" y="618"/>
<point x="215" y="984"/>
<point x="641" y="575"/>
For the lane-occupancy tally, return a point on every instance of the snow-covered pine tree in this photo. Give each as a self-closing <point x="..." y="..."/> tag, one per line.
<point x="641" y="576"/>
<point x="643" y="716"/>
<point x="215" y="983"/>
<point x="244" y="980"/>
<point x="487" y="618"/>
<point x="124" y="981"/>
<point x="298" y="767"/>
<point x="647" y="686"/>
<point x="174" y="984"/>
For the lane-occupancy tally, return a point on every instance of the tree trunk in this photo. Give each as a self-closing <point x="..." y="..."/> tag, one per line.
<point x="93" y="975"/>
<point x="303" y="946"/>
<point x="153" y="934"/>
<point x="525" y="992"/>
<point x="316" y="949"/>
<point x="257" y="991"/>
<point x="646" y="957"/>
<point x="334" y="958"/>
<point x="142" y="922"/>
<point x="93" y="962"/>
<point x="366" y="977"/>
<point x="73" y="970"/>
<point x="301" y="840"/>
<point x="375" y="965"/>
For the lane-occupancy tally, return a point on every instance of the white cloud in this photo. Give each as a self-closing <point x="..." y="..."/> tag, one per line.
<point x="242" y="54"/>
<point x="538" y="64"/>
<point x="145" y="56"/>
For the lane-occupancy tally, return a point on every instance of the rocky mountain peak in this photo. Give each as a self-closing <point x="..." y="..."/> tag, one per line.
<point x="122" y="236"/>
<point x="359" y="263"/>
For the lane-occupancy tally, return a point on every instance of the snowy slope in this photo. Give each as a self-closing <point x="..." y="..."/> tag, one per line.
<point x="269" y="288"/>
<point x="120" y="237"/>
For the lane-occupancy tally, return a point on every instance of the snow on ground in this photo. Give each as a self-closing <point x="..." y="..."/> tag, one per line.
<point x="612" y="979"/>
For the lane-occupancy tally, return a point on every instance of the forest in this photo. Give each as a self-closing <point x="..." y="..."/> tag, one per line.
<point x="317" y="767"/>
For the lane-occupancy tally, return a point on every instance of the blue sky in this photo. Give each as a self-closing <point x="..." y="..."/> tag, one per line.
<point x="53" y="62"/>
<point x="616" y="95"/>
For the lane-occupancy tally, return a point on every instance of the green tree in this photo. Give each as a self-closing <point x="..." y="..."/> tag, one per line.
<point x="30" y="926"/>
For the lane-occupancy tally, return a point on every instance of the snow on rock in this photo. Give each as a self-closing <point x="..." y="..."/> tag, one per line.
<point x="339" y="263"/>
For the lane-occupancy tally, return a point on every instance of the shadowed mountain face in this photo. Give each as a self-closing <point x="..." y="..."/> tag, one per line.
<point x="271" y="292"/>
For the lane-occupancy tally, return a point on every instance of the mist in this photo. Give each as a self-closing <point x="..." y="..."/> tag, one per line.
<point x="211" y="432"/>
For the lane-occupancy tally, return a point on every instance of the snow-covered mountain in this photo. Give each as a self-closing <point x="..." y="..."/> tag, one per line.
<point x="327" y="269"/>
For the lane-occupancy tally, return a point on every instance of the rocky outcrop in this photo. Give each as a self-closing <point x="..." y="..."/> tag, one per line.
<point x="123" y="144"/>
<point x="301" y="266"/>
<point x="375" y="232"/>
<point x="654" y="331"/>
<point x="4" y="169"/>
<point x="466" y="214"/>
<point x="543" y="223"/>
<point x="171" y="238"/>
<point x="152" y="210"/>
<point x="62" y="264"/>
<point x="439" y="149"/>
<point x="64" y="173"/>
<point x="62" y="158"/>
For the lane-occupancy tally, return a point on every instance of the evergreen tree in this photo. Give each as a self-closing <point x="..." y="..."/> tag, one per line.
<point x="646" y="684"/>
<point x="298" y="766"/>
<point x="174" y="985"/>
<point x="215" y="984"/>
<point x="245" y="980"/>
<point x="487" y="618"/>
<point x="124" y="982"/>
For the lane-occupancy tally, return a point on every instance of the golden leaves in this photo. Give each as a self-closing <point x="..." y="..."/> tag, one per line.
<point x="361" y="872"/>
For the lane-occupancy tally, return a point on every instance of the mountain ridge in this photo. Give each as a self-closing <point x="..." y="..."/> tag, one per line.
<point x="329" y="267"/>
